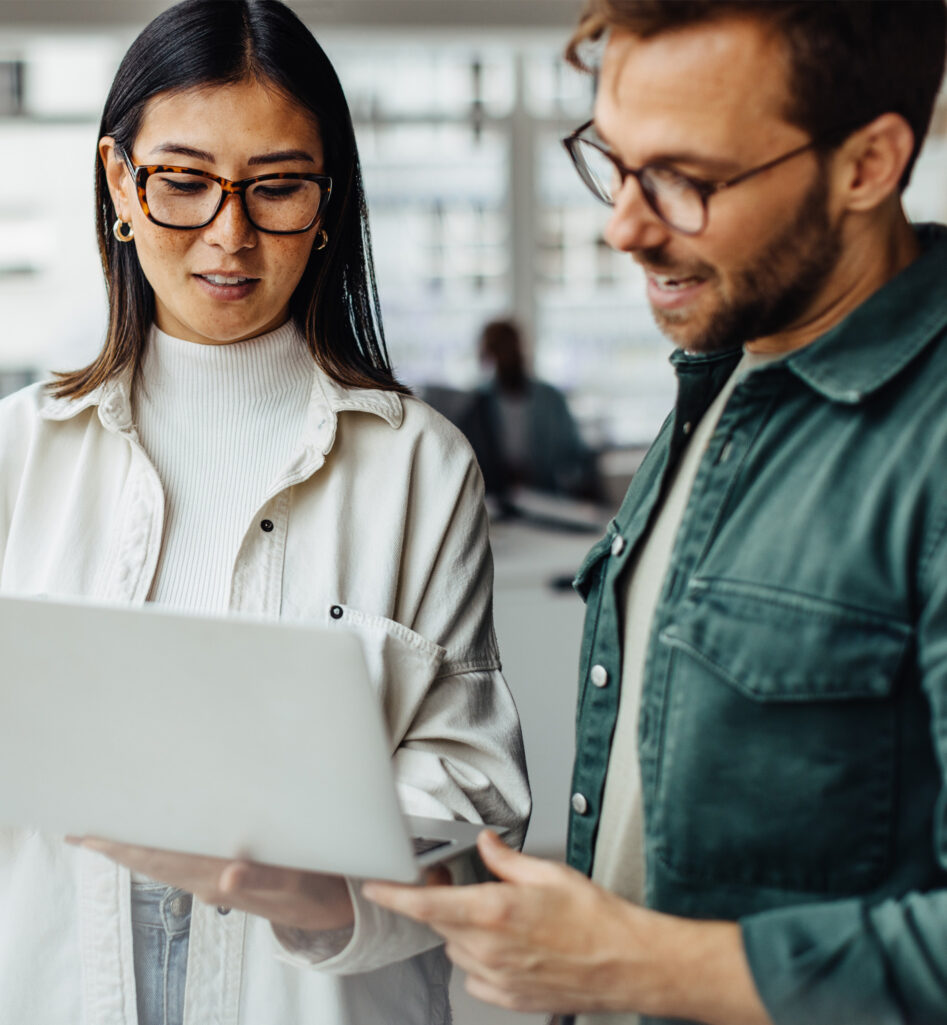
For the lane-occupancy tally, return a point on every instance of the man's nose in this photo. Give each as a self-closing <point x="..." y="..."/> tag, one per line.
<point x="633" y="224"/>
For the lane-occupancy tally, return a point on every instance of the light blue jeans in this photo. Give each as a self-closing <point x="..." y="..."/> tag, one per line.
<point x="161" y="925"/>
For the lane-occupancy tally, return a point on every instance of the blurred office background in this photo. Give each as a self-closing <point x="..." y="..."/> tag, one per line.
<point x="476" y="212"/>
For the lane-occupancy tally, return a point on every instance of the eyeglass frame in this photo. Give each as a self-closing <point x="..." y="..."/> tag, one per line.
<point x="704" y="189"/>
<point x="142" y="172"/>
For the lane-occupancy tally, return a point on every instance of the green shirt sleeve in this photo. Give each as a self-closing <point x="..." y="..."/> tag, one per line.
<point x="855" y="962"/>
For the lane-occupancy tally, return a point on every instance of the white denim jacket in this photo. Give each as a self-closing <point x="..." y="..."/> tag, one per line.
<point x="378" y="512"/>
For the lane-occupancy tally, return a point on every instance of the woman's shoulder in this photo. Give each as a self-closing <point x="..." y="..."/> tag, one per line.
<point x="431" y="427"/>
<point x="34" y="415"/>
<point x="408" y="433"/>
<point x="40" y="403"/>
<point x="21" y="425"/>
<point x="27" y="404"/>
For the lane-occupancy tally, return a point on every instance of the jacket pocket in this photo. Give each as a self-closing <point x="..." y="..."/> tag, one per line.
<point x="777" y="757"/>
<point x="402" y="664"/>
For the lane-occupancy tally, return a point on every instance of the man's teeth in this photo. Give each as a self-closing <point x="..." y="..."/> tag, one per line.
<point x="219" y="279"/>
<point x="662" y="281"/>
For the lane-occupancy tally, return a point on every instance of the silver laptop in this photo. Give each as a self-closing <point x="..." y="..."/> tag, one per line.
<point x="225" y="736"/>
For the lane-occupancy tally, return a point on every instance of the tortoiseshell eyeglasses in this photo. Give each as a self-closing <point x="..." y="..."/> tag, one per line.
<point x="281" y="203"/>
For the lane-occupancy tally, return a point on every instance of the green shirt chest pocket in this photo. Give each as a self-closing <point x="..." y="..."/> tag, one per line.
<point x="778" y="754"/>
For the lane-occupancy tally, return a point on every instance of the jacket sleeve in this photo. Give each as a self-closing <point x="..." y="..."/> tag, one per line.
<point x="458" y="750"/>
<point x="855" y="961"/>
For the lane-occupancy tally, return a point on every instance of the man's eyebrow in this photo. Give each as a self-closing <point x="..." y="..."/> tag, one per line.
<point x="688" y="158"/>
<point x="277" y="157"/>
<point x="713" y="165"/>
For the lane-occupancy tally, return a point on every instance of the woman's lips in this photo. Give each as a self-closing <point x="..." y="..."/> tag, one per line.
<point x="667" y="292"/>
<point x="226" y="286"/>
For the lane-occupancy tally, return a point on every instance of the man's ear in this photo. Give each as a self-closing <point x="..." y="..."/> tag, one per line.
<point x="872" y="160"/>
<point x="119" y="181"/>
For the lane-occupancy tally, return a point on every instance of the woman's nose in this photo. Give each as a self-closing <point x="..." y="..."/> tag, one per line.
<point x="231" y="229"/>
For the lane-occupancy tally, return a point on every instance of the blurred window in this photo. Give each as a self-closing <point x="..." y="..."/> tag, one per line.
<point x="476" y="212"/>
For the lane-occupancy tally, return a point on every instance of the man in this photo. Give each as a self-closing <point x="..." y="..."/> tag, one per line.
<point x="764" y="668"/>
<point x="521" y="428"/>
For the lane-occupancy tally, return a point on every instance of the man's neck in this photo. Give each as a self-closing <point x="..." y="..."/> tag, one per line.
<point x="872" y="255"/>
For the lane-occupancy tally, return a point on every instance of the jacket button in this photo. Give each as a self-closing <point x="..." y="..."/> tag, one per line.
<point x="336" y="612"/>
<point x="618" y="545"/>
<point x="579" y="804"/>
<point x="266" y="525"/>
<point x="599" y="676"/>
<point x="221" y="910"/>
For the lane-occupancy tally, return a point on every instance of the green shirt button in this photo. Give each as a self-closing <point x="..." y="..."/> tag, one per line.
<point x="599" y="676"/>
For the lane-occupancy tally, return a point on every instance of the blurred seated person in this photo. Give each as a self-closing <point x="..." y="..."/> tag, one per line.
<point x="521" y="428"/>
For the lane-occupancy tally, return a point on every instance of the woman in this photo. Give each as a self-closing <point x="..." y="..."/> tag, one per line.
<point x="241" y="444"/>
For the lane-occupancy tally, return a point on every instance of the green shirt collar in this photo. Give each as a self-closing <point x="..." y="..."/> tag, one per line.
<point x="878" y="339"/>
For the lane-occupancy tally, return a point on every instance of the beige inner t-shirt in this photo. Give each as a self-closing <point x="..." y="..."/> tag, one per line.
<point x="619" y="851"/>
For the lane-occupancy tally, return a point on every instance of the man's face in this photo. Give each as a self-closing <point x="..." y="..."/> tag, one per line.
<point x="709" y="101"/>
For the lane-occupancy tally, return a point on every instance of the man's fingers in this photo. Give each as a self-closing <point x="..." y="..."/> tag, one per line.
<point x="485" y="990"/>
<point x="512" y="866"/>
<point x="437" y="905"/>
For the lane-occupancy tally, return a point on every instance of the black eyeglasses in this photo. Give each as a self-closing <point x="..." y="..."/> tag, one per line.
<point x="281" y="203"/>
<point x="679" y="200"/>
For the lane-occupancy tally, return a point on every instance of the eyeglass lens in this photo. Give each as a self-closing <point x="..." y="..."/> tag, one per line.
<point x="672" y="196"/>
<point x="187" y="200"/>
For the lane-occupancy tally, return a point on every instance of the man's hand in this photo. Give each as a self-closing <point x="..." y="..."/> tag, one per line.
<point x="287" y="897"/>
<point x="545" y="938"/>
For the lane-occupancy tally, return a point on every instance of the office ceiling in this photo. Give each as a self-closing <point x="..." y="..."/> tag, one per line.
<point x="401" y="14"/>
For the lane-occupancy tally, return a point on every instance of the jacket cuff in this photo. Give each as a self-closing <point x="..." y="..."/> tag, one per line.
<point x="819" y="964"/>
<point x="378" y="938"/>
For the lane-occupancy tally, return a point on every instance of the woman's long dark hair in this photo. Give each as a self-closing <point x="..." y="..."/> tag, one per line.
<point x="219" y="42"/>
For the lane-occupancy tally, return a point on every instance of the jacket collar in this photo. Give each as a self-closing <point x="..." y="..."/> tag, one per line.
<point x="878" y="339"/>
<point x="327" y="399"/>
<point x="113" y="400"/>
<point x="337" y="398"/>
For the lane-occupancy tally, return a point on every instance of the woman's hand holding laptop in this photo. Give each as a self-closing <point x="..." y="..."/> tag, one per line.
<point x="290" y="897"/>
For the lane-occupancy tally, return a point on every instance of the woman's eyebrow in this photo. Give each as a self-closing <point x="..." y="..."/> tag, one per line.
<point x="179" y="149"/>
<point x="280" y="156"/>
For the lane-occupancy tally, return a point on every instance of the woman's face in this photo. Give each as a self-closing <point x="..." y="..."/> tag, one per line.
<point x="235" y="131"/>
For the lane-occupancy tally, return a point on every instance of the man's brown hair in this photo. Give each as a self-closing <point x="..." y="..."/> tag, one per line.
<point x="850" y="60"/>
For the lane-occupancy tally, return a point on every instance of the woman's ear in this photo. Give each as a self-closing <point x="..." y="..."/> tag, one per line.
<point x="872" y="161"/>
<point x="119" y="181"/>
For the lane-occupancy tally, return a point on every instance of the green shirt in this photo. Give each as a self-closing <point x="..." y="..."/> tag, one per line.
<point x="793" y="723"/>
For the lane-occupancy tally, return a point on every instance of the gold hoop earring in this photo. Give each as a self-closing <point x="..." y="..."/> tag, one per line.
<point x="123" y="230"/>
<point x="322" y="239"/>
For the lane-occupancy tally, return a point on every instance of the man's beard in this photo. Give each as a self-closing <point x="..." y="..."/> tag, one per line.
<point x="774" y="292"/>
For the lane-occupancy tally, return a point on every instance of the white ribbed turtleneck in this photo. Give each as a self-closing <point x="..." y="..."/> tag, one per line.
<point x="219" y="422"/>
